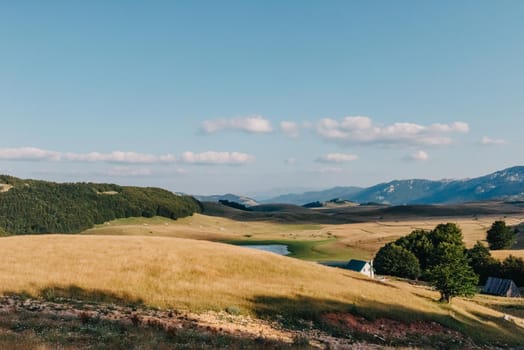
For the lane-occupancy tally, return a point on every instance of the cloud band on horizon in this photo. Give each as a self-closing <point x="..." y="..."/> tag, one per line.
<point x="209" y="157"/>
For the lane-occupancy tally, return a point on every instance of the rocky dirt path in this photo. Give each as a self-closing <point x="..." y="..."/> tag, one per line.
<point x="171" y="320"/>
<point x="351" y="332"/>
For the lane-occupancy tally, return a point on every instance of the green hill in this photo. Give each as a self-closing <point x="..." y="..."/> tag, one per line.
<point x="33" y="206"/>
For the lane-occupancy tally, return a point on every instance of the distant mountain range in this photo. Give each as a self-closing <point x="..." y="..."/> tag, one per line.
<point x="316" y="196"/>
<point x="507" y="184"/>
<point x="249" y="202"/>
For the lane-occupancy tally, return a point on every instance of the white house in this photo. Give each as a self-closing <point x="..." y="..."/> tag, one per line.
<point x="364" y="267"/>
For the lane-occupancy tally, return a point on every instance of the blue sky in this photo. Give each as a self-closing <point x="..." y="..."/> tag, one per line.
<point x="250" y="96"/>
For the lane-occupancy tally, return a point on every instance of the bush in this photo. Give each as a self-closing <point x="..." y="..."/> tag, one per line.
<point x="233" y="310"/>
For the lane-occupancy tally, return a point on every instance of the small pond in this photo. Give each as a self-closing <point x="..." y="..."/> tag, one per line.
<point x="280" y="249"/>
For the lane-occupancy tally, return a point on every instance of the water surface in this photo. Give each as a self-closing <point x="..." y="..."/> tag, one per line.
<point x="280" y="249"/>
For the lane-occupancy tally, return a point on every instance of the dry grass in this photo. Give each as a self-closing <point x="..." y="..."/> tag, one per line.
<point x="369" y="237"/>
<point x="502" y="254"/>
<point x="5" y="187"/>
<point x="171" y="272"/>
<point x="359" y="240"/>
<point x="205" y="227"/>
<point x="198" y="276"/>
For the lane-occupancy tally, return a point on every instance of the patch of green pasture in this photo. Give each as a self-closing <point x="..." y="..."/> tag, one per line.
<point x="320" y="250"/>
<point x="155" y="220"/>
<point x="335" y="251"/>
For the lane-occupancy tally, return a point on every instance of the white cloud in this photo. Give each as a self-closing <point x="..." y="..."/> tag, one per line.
<point x="356" y="123"/>
<point x="454" y="127"/>
<point x="291" y="129"/>
<point x="252" y="124"/>
<point x="291" y="161"/>
<point x="337" y="158"/>
<point x="28" y="153"/>
<point x="362" y="130"/>
<point x="211" y="157"/>
<point x="119" y="157"/>
<point x="460" y="127"/>
<point x="419" y="156"/>
<point x="37" y="154"/>
<point x="489" y="141"/>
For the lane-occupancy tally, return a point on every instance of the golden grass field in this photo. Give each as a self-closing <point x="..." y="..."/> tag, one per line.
<point x="161" y="263"/>
<point x="198" y="276"/>
<point x="335" y="242"/>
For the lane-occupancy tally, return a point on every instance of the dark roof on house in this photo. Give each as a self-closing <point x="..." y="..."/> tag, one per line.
<point x="356" y="265"/>
<point x="340" y="264"/>
<point x="501" y="287"/>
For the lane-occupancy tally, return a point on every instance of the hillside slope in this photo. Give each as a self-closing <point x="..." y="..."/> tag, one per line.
<point x="198" y="276"/>
<point x="32" y="206"/>
<point x="292" y="214"/>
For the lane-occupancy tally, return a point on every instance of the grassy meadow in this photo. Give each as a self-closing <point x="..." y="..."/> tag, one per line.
<point x="198" y="276"/>
<point x="184" y="265"/>
<point x="306" y="241"/>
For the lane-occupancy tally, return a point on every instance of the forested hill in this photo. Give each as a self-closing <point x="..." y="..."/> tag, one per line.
<point x="32" y="206"/>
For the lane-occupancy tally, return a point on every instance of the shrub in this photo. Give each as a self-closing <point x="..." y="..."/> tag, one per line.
<point x="233" y="310"/>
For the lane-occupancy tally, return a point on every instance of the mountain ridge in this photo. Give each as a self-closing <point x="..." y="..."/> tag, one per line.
<point x="503" y="184"/>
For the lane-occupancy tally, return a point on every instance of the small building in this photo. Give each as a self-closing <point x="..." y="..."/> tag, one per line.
<point x="364" y="267"/>
<point x="501" y="287"/>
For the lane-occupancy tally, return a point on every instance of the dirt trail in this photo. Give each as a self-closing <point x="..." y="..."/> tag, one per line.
<point x="358" y="333"/>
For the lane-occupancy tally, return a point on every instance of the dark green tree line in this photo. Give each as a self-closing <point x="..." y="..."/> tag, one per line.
<point x="44" y="207"/>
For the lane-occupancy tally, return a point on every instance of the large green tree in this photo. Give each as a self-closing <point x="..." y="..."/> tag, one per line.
<point x="449" y="233"/>
<point x="500" y="236"/>
<point x="423" y="244"/>
<point x="452" y="276"/>
<point x="441" y="256"/>
<point x="418" y="243"/>
<point x="395" y="260"/>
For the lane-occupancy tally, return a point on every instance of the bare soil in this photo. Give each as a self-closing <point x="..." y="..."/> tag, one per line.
<point x="352" y="332"/>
